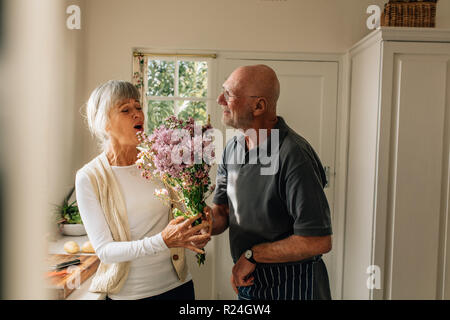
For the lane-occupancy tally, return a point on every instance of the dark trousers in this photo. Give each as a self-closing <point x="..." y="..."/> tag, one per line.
<point x="183" y="292"/>
<point x="289" y="281"/>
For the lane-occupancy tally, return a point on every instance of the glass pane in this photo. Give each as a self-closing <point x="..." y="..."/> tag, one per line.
<point x="161" y="78"/>
<point x="157" y="112"/>
<point x="194" y="109"/>
<point x="193" y="79"/>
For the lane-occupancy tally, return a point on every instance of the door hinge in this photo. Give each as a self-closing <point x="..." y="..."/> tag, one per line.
<point x="327" y="170"/>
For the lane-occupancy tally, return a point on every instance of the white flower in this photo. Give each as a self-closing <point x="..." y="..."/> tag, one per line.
<point x="161" y="192"/>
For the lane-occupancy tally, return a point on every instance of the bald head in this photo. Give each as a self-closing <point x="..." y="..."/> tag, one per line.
<point x="258" y="80"/>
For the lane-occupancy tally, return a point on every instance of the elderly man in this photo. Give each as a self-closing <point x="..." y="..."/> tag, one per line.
<point x="279" y="222"/>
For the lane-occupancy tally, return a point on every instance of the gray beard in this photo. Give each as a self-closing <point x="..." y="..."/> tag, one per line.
<point x="241" y="123"/>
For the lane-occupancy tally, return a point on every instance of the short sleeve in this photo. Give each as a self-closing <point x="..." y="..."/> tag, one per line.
<point x="306" y="201"/>
<point x="220" y="196"/>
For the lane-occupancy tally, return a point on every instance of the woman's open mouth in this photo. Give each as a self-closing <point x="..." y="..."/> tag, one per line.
<point x="139" y="127"/>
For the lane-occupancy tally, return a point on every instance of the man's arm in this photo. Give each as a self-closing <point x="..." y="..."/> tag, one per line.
<point x="218" y="218"/>
<point x="293" y="248"/>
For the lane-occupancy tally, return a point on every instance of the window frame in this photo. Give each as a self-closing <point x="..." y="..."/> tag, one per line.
<point x="210" y="97"/>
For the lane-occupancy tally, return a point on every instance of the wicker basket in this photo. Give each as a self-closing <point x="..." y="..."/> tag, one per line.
<point x="409" y="14"/>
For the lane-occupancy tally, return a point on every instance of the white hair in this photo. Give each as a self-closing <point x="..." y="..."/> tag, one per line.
<point x="102" y="99"/>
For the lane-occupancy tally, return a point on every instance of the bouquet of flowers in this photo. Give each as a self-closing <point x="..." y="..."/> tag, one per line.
<point x="180" y="153"/>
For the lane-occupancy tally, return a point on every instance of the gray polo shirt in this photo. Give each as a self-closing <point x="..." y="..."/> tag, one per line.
<point x="271" y="207"/>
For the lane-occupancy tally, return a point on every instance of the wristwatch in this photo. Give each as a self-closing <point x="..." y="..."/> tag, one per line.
<point x="249" y="256"/>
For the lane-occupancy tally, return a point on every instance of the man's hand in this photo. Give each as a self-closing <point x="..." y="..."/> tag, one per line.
<point x="209" y="218"/>
<point x="217" y="216"/>
<point x="206" y="231"/>
<point x="242" y="273"/>
<point x="233" y="285"/>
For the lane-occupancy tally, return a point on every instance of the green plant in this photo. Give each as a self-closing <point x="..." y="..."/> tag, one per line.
<point x="68" y="212"/>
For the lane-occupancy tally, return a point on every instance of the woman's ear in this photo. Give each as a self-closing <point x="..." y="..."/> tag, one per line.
<point x="108" y="120"/>
<point x="107" y="127"/>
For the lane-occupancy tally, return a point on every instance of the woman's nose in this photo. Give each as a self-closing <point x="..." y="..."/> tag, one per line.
<point x="138" y="114"/>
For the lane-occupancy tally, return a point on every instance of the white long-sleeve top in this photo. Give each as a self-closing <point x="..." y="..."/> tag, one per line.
<point x="151" y="271"/>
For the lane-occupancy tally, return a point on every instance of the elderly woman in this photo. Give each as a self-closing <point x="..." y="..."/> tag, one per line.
<point x="141" y="252"/>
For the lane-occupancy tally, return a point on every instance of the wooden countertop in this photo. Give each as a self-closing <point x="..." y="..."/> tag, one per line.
<point x="82" y="293"/>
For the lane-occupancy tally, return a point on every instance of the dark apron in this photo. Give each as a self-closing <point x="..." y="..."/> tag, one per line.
<point x="305" y="280"/>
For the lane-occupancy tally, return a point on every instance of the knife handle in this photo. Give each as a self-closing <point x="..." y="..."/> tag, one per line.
<point x="66" y="264"/>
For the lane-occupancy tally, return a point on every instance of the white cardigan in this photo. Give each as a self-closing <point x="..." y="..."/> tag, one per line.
<point x="100" y="196"/>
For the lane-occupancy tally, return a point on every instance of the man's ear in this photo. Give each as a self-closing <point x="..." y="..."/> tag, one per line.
<point x="260" y="107"/>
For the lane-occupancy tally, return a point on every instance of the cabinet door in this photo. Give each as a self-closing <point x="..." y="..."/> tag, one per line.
<point x="411" y="238"/>
<point x="308" y="103"/>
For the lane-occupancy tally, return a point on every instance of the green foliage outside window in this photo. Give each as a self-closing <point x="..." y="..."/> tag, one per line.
<point x="161" y="78"/>
<point x="194" y="109"/>
<point x="192" y="83"/>
<point x="193" y="77"/>
<point x="157" y="112"/>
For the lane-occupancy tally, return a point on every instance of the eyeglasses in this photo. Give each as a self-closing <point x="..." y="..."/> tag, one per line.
<point x="227" y="96"/>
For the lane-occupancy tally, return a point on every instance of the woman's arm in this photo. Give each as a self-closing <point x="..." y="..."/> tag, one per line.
<point x="108" y="250"/>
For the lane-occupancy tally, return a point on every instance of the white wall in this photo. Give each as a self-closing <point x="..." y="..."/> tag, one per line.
<point x="112" y="28"/>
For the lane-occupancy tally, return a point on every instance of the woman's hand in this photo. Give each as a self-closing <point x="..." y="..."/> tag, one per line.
<point x="207" y="230"/>
<point x="179" y="233"/>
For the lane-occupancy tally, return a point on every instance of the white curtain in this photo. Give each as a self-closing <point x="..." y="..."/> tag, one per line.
<point x="140" y="69"/>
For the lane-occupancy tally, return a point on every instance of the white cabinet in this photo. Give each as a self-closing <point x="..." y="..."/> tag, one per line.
<point x="398" y="173"/>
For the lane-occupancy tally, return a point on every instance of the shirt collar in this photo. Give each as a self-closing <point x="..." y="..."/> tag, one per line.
<point x="279" y="125"/>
